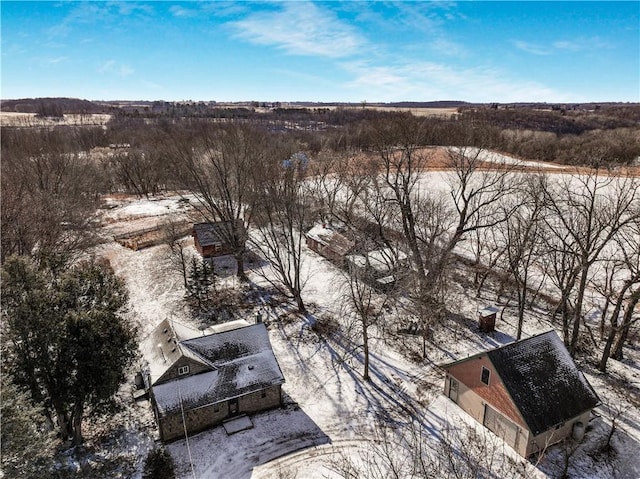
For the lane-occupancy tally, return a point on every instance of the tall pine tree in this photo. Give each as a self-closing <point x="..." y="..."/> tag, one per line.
<point x="66" y="340"/>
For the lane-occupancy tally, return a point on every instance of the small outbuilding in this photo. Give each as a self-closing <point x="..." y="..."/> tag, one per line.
<point x="328" y="242"/>
<point x="219" y="238"/>
<point x="198" y="379"/>
<point x="379" y="267"/>
<point x="487" y="319"/>
<point x="530" y="392"/>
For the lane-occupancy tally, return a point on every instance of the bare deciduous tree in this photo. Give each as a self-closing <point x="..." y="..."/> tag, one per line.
<point x="364" y="305"/>
<point x="173" y="235"/>
<point x="282" y="214"/>
<point x="49" y="194"/>
<point x="584" y="213"/>
<point x="220" y="165"/>
<point x="521" y="238"/>
<point x="409" y="451"/>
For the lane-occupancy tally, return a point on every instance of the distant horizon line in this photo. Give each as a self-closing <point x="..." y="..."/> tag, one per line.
<point x="327" y="103"/>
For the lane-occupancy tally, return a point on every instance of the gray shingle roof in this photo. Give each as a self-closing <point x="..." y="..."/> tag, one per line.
<point x="243" y="362"/>
<point x="221" y="232"/>
<point x="543" y="381"/>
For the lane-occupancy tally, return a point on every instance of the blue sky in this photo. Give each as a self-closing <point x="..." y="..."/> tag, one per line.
<point x="322" y="51"/>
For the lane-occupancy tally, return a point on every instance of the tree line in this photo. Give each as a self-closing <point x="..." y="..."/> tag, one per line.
<point x="63" y="317"/>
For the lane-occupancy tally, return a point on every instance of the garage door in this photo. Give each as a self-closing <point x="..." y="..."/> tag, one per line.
<point x="501" y="426"/>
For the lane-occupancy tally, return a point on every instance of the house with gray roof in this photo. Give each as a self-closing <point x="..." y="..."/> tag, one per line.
<point x="530" y="392"/>
<point x="198" y="379"/>
<point x="219" y="238"/>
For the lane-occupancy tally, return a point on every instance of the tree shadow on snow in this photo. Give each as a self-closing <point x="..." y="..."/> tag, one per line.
<point x="274" y="434"/>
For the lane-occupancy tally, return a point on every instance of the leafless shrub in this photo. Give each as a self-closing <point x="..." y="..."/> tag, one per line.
<point x="411" y="451"/>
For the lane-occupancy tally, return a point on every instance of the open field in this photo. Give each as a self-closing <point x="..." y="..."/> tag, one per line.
<point x="30" y="120"/>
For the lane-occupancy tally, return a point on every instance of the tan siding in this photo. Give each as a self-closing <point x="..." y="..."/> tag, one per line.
<point x="172" y="373"/>
<point x="546" y="439"/>
<point x="469" y="374"/>
<point x="474" y="405"/>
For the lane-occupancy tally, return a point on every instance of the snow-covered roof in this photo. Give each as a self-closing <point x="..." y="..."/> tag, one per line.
<point x="381" y="260"/>
<point x="242" y="362"/>
<point x="329" y="237"/>
<point x="227" y="326"/>
<point x="488" y="311"/>
<point x="163" y="347"/>
<point x="542" y="379"/>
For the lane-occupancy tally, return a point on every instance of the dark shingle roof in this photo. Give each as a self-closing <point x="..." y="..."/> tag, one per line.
<point x="209" y="234"/>
<point x="543" y="381"/>
<point x="243" y="362"/>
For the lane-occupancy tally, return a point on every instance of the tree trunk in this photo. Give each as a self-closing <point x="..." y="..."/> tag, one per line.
<point x="301" y="307"/>
<point x="365" y="347"/>
<point x="607" y="350"/>
<point x="77" y="424"/>
<point x="63" y="425"/>
<point x="614" y="328"/>
<point x="626" y="324"/>
<point x="239" y="257"/>
<point x="578" y="309"/>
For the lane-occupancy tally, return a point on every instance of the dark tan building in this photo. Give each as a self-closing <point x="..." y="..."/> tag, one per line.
<point x="197" y="380"/>
<point x="530" y="392"/>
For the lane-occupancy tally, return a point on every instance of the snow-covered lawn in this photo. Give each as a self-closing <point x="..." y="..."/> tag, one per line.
<point x="329" y="410"/>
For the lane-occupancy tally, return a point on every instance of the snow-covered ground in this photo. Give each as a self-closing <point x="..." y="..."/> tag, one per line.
<point x="329" y="411"/>
<point x="500" y="158"/>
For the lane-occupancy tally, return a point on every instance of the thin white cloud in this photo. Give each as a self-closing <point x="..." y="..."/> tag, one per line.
<point x="436" y="81"/>
<point x="581" y="44"/>
<point x="448" y="47"/>
<point x="532" y="48"/>
<point x="83" y="13"/>
<point x="562" y="46"/>
<point x="114" y="68"/>
<point x="181" y="12"/>
<point x="300" y="28"/>
<point x="54" y="61"/>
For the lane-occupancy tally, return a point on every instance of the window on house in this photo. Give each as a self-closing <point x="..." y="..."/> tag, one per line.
<point x="485" y="375"/>
<point x="263" y="394"/>
<point x="216" y="407"/>
<point x="183" y="370"/>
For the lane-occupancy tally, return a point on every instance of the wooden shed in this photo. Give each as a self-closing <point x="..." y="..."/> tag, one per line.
<point x="219" y="238"/>
<point x="487" y="319"/>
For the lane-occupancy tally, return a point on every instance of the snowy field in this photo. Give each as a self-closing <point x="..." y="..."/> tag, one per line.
<point x="330" y="412"/>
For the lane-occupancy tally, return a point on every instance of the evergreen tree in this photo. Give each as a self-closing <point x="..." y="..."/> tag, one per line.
<point x="193" y="284"/>
<point x="66" y="339"/>
<point x="200" y="282"/>
<point x="159" y="465"/>
<point x="26" y="446"/>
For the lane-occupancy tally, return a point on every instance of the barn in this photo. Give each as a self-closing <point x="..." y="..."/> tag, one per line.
<point x="327" y="241"/>
<point x="529" y="392"/>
